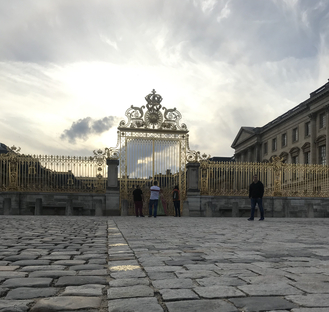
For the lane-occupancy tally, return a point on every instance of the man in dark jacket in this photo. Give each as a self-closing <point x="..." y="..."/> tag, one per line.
<point x="256" y="192"/>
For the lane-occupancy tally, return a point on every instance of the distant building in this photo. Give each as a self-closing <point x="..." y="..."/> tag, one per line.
<point x="3" y="148"/>
<point x="301" y="135"/>
<point x="222" y="159"/>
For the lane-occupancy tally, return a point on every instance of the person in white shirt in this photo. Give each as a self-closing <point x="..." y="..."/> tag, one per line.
<point x="154" y="199"/>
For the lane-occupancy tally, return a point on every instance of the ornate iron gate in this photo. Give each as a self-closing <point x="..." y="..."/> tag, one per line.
<point x="152" y="146"/>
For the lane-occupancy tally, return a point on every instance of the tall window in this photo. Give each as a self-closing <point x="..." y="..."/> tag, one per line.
<point x="322" y="153"/>
<point x="322" y="120"/>
<point x="307" y="158"/>
<point x="274" y="144"/>
<point x="284" y="140"/>
<point x="265" y="148"/>
<point x="295" y="134"/>
<point x="294" y="159"/>
<point x="307" y="128"/>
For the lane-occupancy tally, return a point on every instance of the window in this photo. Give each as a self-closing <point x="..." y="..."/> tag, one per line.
<point x="284" y="140"/>
<point x="274" y="144"/>
<point x="294" y="159"/>
<point x="322" y="153"/>
<point x="322" y="120"/>
<point x="295" y="134"/>
<point x="265" y="148"/>
<point x="307" y="158"/>
<point x="307" y="129"/>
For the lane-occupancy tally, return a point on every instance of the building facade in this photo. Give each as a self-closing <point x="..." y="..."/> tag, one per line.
<point x="301" y="135"/>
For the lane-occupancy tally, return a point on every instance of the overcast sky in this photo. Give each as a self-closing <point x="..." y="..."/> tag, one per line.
<point x="69" y="69"/>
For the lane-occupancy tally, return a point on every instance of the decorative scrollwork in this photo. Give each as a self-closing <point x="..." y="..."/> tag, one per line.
<point x="153" y="117"/>
<point x="194" y="156"/>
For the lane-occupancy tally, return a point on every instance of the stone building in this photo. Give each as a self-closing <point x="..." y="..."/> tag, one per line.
<point x="301" y="135"/>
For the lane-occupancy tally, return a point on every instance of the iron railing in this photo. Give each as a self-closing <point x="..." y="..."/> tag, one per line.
<point x="279" y="179"/>
<point x="43" y="173"/>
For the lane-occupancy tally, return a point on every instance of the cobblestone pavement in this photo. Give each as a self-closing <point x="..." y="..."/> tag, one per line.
<point x="167" y="264"/>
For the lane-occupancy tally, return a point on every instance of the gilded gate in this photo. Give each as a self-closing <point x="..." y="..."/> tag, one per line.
<point x="152" y="146"/>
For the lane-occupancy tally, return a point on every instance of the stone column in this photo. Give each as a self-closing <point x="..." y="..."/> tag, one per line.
<point x="6" y="206"/>
<point x="313" y="138"/>
<point x="112" y="207"/>
<point x="112" y="169"/>
<point x="69" y="207"/>
<point x="193" y="200"/>
<point x="38" y="207"/>
<point x="193" y="177"/>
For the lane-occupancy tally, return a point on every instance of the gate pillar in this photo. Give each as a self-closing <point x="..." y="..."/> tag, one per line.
<point x="192" y="204"/>
<point x="193" y="177"/>
<point x="112" y="189"/>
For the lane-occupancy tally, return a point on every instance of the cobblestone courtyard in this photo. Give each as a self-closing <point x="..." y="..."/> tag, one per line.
<point x="163" y="264"/>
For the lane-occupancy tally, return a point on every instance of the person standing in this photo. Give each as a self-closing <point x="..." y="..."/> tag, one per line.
<point x="256" y="192"/>
<point x="138" y="201"/>
<point x="154" y="199"/>
<point x="176" y="200"/>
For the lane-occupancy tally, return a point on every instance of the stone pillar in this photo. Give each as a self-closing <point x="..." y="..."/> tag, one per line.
<point x="38" y="207"/>
<point x="69" y="207"/>
<point x="193" y="177"/>
<point x="6" y="206"/>
<point x="313" y="138"/>
<point x="112" y="206"/>
<point x="193" y="199"/>
<point x="112" y="169"/>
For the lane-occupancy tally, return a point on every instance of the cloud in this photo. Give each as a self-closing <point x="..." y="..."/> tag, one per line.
<point x="85" y="127"/>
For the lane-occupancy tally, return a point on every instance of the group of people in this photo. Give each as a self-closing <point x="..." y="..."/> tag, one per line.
<point x="154" y="200"/>
<point x="256" y="192"/>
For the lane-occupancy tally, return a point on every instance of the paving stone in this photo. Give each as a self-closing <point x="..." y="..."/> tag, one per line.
<point x="201" y="305"/>
<point x="178" y="294"/>
<point x="135" y="305"/>
<point x="88" y="290"/>
<point x="130" y="292"/>
<point x="173" y="283"/>
<point x="313" y="287"/>
<point x="34" y="268"/>
<point x="128" y="274"/>
<point x="213" y="292"/>
<point x="310" y="300"/>
<point x="12" y="274"/>
<point x="80" y="280"/>
<point x="86" y="267"/>
<point x="31" y="293"/>
<point x="277" y="289"/>
<point x="14" y="305"/>
<point x="129" y="282"/>
<point x="27" y="282"/>
<point x="30" y="262"/>
<point x="69" y="262"/>
<point x="9" y="268"/>
<point x="52" y="274"/>
<point x="161" y="276"/>
<point x="72" y="303"/>
<point x="196" y="274"/>
<point x="93" y="272"/>
<point x="223" y="281"/>
<point x="262" y="303"/>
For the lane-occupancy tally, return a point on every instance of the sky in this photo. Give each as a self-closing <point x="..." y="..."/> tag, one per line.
<point x="69" y="70"/>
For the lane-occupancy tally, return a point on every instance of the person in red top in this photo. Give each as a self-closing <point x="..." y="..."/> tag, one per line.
<point x="176" y="199"/>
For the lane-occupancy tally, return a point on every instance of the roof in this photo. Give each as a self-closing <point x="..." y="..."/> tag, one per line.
<point x="318" y="93"/>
